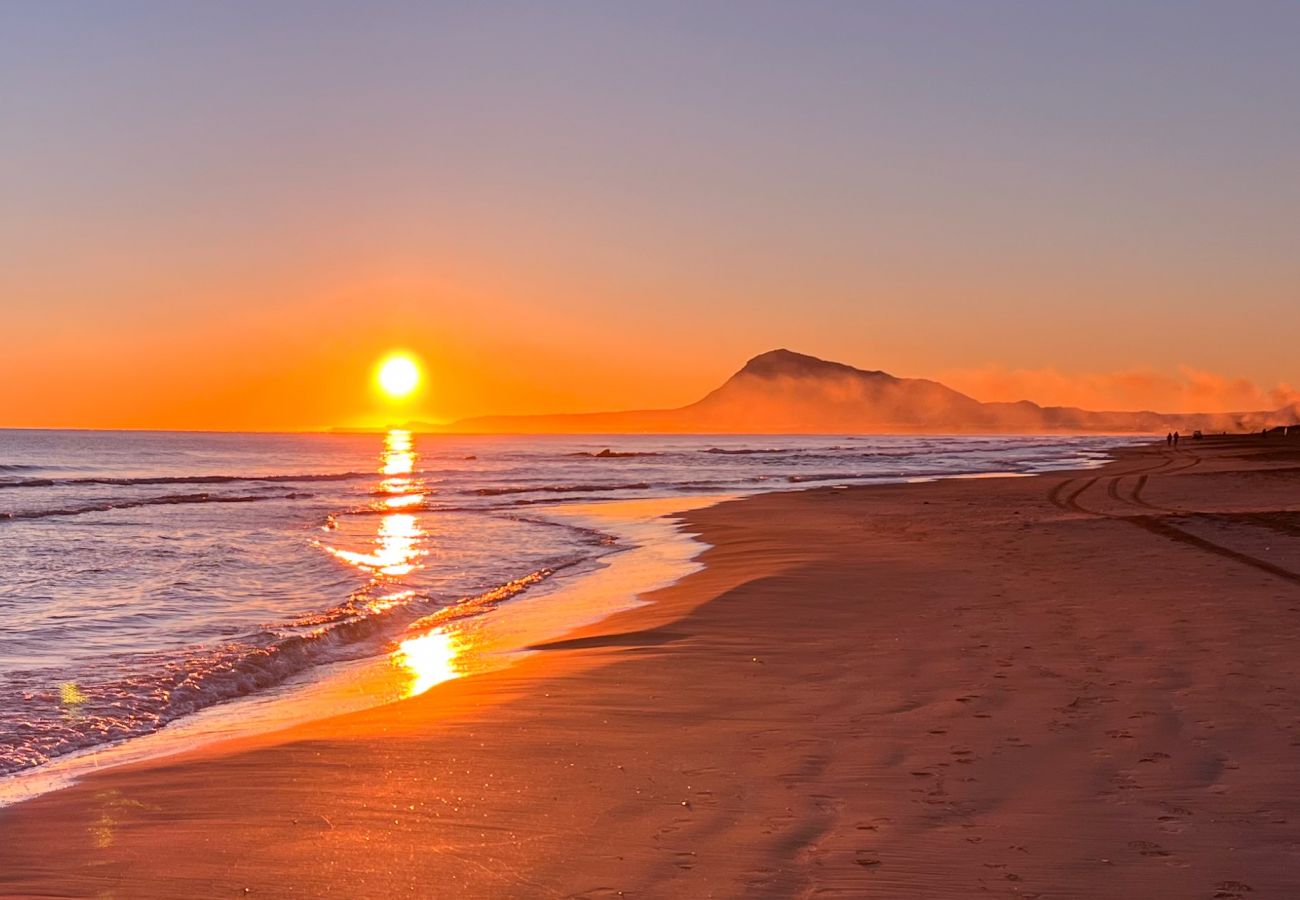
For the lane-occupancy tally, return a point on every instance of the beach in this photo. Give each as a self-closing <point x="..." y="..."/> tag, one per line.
<point x="1079" y="684"/>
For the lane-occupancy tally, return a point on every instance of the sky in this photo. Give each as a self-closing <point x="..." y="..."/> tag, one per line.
<point x="223" y="215"/>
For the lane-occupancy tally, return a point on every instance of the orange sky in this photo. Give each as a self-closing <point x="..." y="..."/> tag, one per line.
<point x="309" y="364"/>
<point x="222" y="219"/>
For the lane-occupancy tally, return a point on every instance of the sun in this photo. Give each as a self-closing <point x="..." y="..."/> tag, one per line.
<point x="398" y="375"/>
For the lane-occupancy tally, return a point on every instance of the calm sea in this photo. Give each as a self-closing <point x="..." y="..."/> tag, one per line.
<point x="148" y="575"/>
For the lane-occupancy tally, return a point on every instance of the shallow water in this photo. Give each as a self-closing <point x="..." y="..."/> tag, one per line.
<point x="148" y="576"/>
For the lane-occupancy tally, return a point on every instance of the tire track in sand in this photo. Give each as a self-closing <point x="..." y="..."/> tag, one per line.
<point x="1065" y="495"/>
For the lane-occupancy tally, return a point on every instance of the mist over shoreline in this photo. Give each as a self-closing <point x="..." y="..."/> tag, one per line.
<point x="783" y="392"/>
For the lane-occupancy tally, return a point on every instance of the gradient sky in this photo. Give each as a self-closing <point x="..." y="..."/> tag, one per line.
<point x="221" y="215"/>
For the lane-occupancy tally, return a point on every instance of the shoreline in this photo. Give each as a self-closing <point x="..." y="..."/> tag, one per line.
<point x="657" y="552"/>
<point x="352" y="684"/>
<point x="858" y="684"/>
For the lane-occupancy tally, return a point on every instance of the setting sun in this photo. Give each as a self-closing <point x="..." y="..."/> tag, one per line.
<point x="398" y="375"/>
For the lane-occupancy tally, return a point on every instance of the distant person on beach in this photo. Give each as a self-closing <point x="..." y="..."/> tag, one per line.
<point x="1175" y="439"/>
<point x="1169" y="438"/>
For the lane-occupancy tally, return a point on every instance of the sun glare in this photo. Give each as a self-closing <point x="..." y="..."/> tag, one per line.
<point x="430" y="659"/>
<point x="398" y="375"/>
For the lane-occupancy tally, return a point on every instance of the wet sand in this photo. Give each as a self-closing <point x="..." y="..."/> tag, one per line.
<point x="1077" y="685"/>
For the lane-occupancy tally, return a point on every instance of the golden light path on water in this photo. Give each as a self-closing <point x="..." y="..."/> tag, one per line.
<point x="400" y="545"/>
<point x="396" y="548"/>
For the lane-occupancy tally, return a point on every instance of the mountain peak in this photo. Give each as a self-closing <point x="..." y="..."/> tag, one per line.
<point x="786" y="363"/>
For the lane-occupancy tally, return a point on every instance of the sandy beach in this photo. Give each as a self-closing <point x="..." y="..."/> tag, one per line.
<point x="1073" y="685"/>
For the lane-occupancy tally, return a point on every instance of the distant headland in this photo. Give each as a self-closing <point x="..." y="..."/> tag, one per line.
<point x="783" y="392"/>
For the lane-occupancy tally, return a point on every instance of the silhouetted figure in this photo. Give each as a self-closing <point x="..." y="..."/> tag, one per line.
<point x="1169" y="438"/>
<point x="1175" y="439"/>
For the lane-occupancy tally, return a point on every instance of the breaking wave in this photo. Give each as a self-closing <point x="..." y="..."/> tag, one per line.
<point x="180" y="479"/>
<point x="562" y="489"/>
<point x="76" y="716"/>
<point x="168" y="500"/>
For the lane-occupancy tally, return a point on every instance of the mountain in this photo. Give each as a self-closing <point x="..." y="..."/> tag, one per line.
<point x="783" y="392"/>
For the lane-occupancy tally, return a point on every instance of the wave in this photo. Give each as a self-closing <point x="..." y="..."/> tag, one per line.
<point x="948" y="451"/>
<point x="864" y="476"/>
<point x="143" y="704"/>
<point x="167" y="500"/>
<point x="182" y="479"/>
<point x="562" y="489"/>
<point x="615" y="454"/>
<point x="843" y="452"/>
<point x="382" y="510"/>
<point x="895" y="475"/>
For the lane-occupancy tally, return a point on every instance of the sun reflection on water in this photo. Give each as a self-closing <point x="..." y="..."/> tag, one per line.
<point x="397" y="549"/>
<point x="398" y="463"/>
<point x="430" y="659"/>
<point x="399" y="545"/>
<point x="399" y="453"/>
<point x="404" y="500"/>
<point x="399" y="540"/>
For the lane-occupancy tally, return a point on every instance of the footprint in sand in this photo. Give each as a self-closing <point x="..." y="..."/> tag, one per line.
<point x="1172" y="824"/>
<point x="1148" y="848"/>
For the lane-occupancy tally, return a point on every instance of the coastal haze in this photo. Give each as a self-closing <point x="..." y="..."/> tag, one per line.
<point x="782" y="392"/>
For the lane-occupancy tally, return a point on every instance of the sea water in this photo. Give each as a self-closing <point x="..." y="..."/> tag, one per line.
<point x="146" y="576"/>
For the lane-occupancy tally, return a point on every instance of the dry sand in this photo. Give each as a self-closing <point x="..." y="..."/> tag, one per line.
<point x="1078" y="685"/>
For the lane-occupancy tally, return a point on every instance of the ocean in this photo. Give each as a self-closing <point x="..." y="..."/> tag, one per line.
<point x="147" y="576"/>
